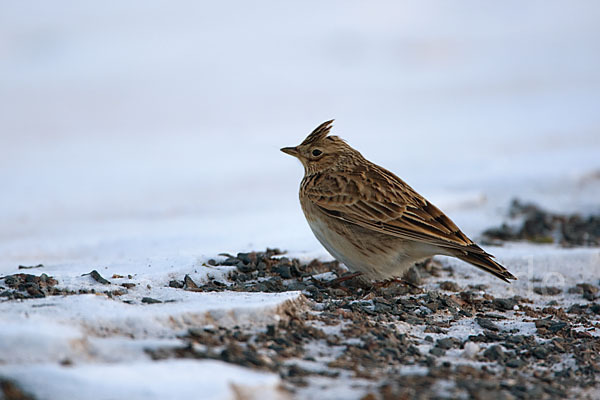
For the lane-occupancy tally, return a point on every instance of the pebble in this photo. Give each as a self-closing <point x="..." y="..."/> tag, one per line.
<point x="487" y="324"/>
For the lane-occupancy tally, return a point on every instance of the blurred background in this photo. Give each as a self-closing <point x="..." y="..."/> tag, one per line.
<point x="149" y="131"/>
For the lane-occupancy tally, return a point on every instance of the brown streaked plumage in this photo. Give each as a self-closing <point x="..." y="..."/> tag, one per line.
<point x="371" y="220"/>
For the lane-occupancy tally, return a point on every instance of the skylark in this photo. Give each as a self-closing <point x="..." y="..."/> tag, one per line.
<point x="371" y="220"/>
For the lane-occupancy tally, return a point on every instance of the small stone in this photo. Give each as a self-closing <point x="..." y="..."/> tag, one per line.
<point x="188" y="283"/>
<point x="575" y="290"/>
<point x="547" y="290"/>
<point x="516" y="339"/>
<point x="449" y="286"/>
<point x="98" y="278"/>
<point x="540" y="352"/>
<point x="245" y="268"/>
<point x="494" y="353"/>
<point x="284" y="271"/>
<point x="150" y="300"/>
<point x="438" y="352"/>
<point x="176" y="284"/>
<point x="556" y="326"/>
<point x="515" y="363"/>
<point x="542" y="325"/>
<point x="447" y="343"/>
<point x="295" y="285"/>
<point x="577" y="309"/>
<point x="231" y="261"/>
<point x="243" y="257"/>
<point x="589" y="291"/>
<point x="31" y="266"/>
<point x="487" y="324"/>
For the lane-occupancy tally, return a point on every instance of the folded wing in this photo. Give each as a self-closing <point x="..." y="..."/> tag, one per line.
<point x="376" y="199"/>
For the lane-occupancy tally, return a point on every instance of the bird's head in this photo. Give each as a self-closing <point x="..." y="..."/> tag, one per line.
<point x="319" y="152"/>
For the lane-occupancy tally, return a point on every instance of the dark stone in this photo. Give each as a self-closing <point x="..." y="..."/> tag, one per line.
<point x="540" y="352"/>
<point x="150" y="300"/>
<point x="245" y="258"/>
<point x="98" y="278"/>
<point x="245" y="268"/>
<point x="487" y="324"/>
<point x="540" y="226"/>
<point x="494" y="353"/>
<point x="295" y="285"/>
<point x="557" y="326"/>
<point x="31" y="266"/>
<point x="589" y="291"/>
<point x="515" y="363"/>
<point x="447" y="343"/>
<point x="547" y="290"/>
<point x="438" y="352"/>
<point x="575" y="290"/>
<point x="449" y="286"/>
<point x="188" y="283"/>
<point x="543" y="323"/>
<point x="577" y="309"/>
<point x="230" y="261"/>
<point x="516" y="339"/>
<point x="284" y="271"/>
<point x="176" y="284"/>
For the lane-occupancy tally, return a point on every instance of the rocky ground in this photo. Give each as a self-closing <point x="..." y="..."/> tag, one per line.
<point x="375" y="335"/>
<point x="537" y="225"/>
<point x="425" y="337"/>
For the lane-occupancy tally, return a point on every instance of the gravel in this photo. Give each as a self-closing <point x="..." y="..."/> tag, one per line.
<point x="539" y="226"/>
<point x="351" y="329"/>
<point x="392" y="340"/>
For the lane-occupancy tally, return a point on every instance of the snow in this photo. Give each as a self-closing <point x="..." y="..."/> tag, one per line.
<point x="106" y="340"/>
<point x="101" y="316"/>
<point x="535" y="266"/>
<point x="142" y="139"/>
<point x="178" y="379"/>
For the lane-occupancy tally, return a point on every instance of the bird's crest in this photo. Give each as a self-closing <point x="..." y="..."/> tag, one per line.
<point x="319" y="133"/>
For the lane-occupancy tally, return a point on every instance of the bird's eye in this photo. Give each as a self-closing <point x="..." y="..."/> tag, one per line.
<point x="316" y="152"/>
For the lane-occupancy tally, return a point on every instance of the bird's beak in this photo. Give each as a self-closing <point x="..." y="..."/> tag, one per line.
<point x="292" y="151"/>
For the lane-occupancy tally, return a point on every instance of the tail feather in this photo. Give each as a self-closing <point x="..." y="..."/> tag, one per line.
<point x="486" y="263"/>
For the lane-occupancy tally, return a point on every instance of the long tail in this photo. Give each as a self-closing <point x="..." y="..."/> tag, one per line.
<point x="485" y="262"/>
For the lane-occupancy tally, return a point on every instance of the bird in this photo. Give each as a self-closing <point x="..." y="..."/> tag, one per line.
<point x="371" y="220"/>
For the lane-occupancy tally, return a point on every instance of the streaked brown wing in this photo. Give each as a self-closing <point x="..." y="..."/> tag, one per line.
<point x="376" y="199"/>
